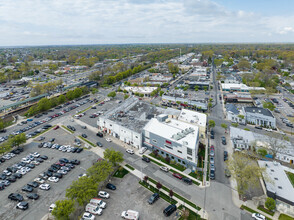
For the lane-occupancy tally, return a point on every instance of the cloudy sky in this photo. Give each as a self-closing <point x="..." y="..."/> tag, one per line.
<point x="59" y="22"/>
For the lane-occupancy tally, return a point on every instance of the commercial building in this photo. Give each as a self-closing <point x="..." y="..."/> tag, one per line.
<point x="278" y="185"/>
<point x="238" y="97"/>
<point x="259" y="116"/>
<point x="146" y="91"/>
<point x="234" y="115"/>
<point x="172" y="138"/>
<point x="238" y="87"/>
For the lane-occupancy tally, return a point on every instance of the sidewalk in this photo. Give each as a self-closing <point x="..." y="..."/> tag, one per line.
<point x="251" y="205"/>
<point x="180" y="202"/>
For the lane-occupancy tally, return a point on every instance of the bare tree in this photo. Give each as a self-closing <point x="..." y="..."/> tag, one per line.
<point x="276" y="144"/>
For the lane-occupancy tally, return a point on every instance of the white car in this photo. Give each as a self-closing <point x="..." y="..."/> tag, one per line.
<point x="53" y="179"/>
<point x="25" y="160"/>
<point x="44" y="186"/>
<point x="103" y="194"/>
<point x="142" y="150"/>
<point x="51" y="207"/>
<point x="258" y="216"/>
<point x="165" y="169"/>
<point x="36" y="154"/>
<point x="63" y="172"/>
<point x="268" y="129"/>
<point x="35" y="162"/>
<point x="108" y="139"/>
<point x="7" y="173"/>
<point x="130" y="151"/>
<point x="39" y="180"/>
<point x="88" y="216"/>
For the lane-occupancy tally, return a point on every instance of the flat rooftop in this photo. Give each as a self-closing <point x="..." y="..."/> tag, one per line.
<point x="193" y="117"/>
<point x="175" y="130"/>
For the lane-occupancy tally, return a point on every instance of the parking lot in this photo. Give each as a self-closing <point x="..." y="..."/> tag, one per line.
<point x="129" y="194"/>
<point x="37" y="209"/>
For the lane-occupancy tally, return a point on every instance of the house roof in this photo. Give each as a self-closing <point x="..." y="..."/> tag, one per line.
<point x="232" y="108"/>
<point x="258" y="110"/>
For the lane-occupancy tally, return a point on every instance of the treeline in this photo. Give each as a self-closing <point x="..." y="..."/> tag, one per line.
<point x="44" y="104"/>
<point x="45" y="88"/>
<point x="13" y="141"/>
<point x="108" y="80"/>
<point x="86" y="187"/>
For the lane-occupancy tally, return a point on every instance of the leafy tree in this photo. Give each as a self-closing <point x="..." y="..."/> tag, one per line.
<point x="161" y="93"/>
<point x="95" y="76"/>
<point x="61" y="99"/>
<point x="1" y="124"/>
<point x="126" y="96"/>
<point x="100" y="171"/>
<point x="211" y="124"/>
<point x="44" y="104"/>
<point x="262" y="152"/>
<point x="244" y="64"/>
<point x="82" y="190"/>
<point x="245" y="171"/>
<point x="63" y="209"/>
<point x="113" y="156"/>
<point x="158" y="186"/>
<point x="77" y="92"/>
<point x="112" y="94"/>
<point x="234" y="124"/>
<point x="269" y="105"/>
<point x="270" y="204"/>
<point x="224" y="126"/>
<point x="70" y="95"/>
<point x="196" y="88"/>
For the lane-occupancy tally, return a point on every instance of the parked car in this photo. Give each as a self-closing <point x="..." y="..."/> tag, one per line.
<point x="100" y="134"/>
<point x="142" y="150"/>
<point x="27" y="188"/>
<point x="169" y="210"/>
<point x="84" y="136"/>
<point x="130" y="151"/>
<point x="212" y="174"/>
<point x="15" y="196"/>
<point x="153" y="198"/>
<point x="99" y="144"/>
<point x="225" y="155"/>
<point x="53" y="179"/>
<point x="177" y="175"/>
<point x="45" y="186"/>
<point x="146" y="159"/>
<point x="211" y="160"/>
<point x="108" y="139"/>
<point x="88" y="216"/>
<point x="103" y="194"/>
<point x="258" y="216"/>
<point x="33" y="196"/>
<point x="22" y="205"/>
<point x="110" y="186"/>
<point x="187" y="180"/>
<point x="165" y="169"/>
<point x="224" y="142"/>
<point x="33" y="184"/>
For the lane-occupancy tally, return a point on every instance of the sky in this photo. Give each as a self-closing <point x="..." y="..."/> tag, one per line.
<point x="70" y="22"/>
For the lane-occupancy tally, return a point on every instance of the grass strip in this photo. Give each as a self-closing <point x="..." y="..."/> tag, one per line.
<point x="89" y="142"/>
<point x="192" y="215"/>
<point x="291" y="177"/>
<point x="130" y="167"/>
<point x="67" y="129"/>
<point x="121" y="172"/>
<point x="85" y="110"/>
<point x="251" y="210"/>
<point x="154" y="161"/>
<point x="261" y="208"/>
<point x="176" y="166"/>
<point x="161" y="194"/>
<point x="285" y="217"/>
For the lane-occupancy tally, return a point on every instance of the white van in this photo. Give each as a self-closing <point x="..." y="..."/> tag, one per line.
<point x="130" y="215"/>
<point x="98" y="202"/>
<point x="93" y="209"/>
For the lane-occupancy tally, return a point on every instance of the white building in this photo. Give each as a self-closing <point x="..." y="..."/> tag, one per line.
<point x="238" y="87"/>
<point x="174" y="139"/>
<point x="259" y="116"/>
<point x="233" y="114"/>
<point x="278" y="185"/>
<point x="146" y="91"/>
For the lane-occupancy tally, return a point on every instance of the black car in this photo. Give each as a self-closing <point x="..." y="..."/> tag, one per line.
<point x="33" y="184"/>
<point x="211" y="136"/>
<point x="70" y="165"/>
<point x="22" y="205"/>
<point x="48" y="173"/>
<point x="225" y="155"/>
<point x="39" y="160"/>
<point x="146" y="159"/>
<point x="99" y="144"/>
<point x="64" y="160"/>
<point x="33" y="196"/>
<point x="258" y="127"/>
<point x="52" y="170"/>
<point x="11" y="178"/>
<point x="100" y="134"/>
<point x="224" y="142"/>
<point x="79" y="150"/>
<point x="110" y="186"/>
<point x="27" y="188"/>
<point x="15" y="196"/>
<point x="2" y="160"/>
<point x="56" y="166"/>
<point x="169" y="210"/>
<point x="74" y="150"/>
<point x="52" y="140"/>
<point x="212" y="174"/>
<point x="58" y="175"/>
<point x="30" y="165"/>
<point x="153" y="198"/>
<point x="75" y="162"/>
<point x="73" y="128"/>
<point x="2" y="186"/>
<point x="40" y="145"/>
<point x="17" y="175"/>
<point x="44" y="157"/>
<point x="84" y="136"/>
<point x="187" y="180"/>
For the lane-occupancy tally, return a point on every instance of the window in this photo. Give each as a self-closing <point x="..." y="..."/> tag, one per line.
<point x="189" y="151"/>
<point x="161" y="152"/>
<point x="136" y="136"/>
<point x="189" y="158"/>
<point x="154" y="141"/>
<point x="167" y="146"/>
<point x="179" y="160"/>
<point x="172" y="157"/>
<point x="146" y="137"/>
<point x="179" y="151"/>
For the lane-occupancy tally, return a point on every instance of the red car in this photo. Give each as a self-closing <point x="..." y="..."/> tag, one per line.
<point x="212" y="147"/>
<point x="61" y="164"/>
<point x="56" y="127"/>
<point x="177" y="175"/>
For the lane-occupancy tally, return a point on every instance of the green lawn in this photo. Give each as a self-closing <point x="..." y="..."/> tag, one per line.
<point x="192" y="215"/>
<point x="251" y="210"/>
<point x="176" y="165"/>
<point x="265" y="210"/>
<point x="291" y="177"/>
<point x="89" y="142"/>
<point x="67" y="129"/>
<point x="130" y="167"/>
<point x="120" y="173"/>
<point x="285" y="217"/>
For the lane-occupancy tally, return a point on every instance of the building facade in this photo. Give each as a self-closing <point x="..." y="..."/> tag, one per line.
<point x="259" y="116"/>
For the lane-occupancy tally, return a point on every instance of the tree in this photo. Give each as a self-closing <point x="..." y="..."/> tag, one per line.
<point x="63" y="209"/>
<point x="270" y="204"/>
<point x="82" y="190"/>
<point x="262" y="152"/>
<point x="1" y="124"/>
<point x="167" y="159"/>
<point x="113" y="156"/>
<point x="77" y="92"/>
<point x="70" y="95"/>
<point x="112" y="94"/>
<point x="44" y="104"/>
<point x="275" y="144"/>
<point x="245" y="171"/>
<point x="126" y="96"/>
<point x="100" y="171"/>
<point x="244" y="64"/>
<point x="171" y="193"/>
<point x="211" y="124"/>
<point x="158" y="186"/>
<point x="269" y="105"/>
<point x="146" y="179"/>
<point x="224" y="126"/>
<point x="161" y="93"/>
<point x="61" y="99"/>
<point x="196" y="88"/>
<point x="95" y="76"/>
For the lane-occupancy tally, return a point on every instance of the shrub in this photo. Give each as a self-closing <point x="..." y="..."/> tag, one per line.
<point x="270" y="204"/>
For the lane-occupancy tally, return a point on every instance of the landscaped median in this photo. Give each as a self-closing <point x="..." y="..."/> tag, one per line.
<point x="44" y="131"/>
<point x="89" y="142"/>
<point x="243" y="207"/>
<point x="121" y="172"/>
<point x="174" y="171"/>
<point x="67" y="129"/>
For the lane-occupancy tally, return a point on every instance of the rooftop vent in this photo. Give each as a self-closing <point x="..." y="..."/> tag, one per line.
<point x="280" y="187"/>
<point x="276" y="178"/>
<point x="273" y="170"/>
